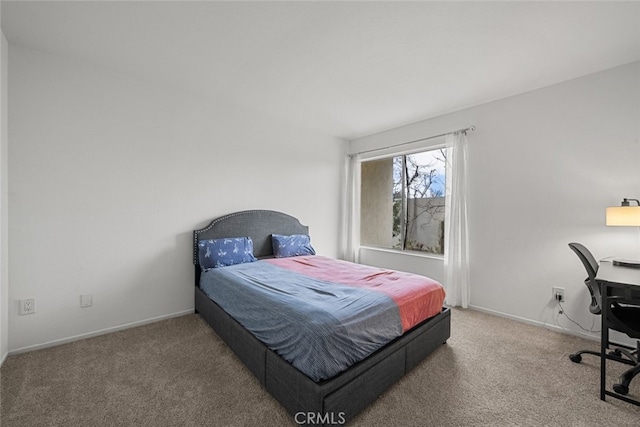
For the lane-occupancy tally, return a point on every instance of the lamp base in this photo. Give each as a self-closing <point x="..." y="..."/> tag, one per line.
<point x="626" y="263"/>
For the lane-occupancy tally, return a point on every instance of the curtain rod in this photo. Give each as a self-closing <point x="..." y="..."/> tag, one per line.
<point x="463" y="130"/>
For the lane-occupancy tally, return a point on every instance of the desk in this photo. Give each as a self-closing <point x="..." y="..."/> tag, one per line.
<point x="615" y="281"/>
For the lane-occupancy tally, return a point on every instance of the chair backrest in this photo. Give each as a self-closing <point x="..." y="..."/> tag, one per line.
<point x="591" y="265"/>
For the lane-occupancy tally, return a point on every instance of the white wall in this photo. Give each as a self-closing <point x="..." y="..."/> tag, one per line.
<point x="543" y="166"/>
<point x="108" y="176"/>
<point x="4" y="256"/>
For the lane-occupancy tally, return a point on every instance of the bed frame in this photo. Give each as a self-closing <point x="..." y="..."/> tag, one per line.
<point x="332" y="401"/>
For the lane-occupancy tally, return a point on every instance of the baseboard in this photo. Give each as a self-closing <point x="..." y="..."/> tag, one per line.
<point x="554" y="328"/>
<point x="98" y="333"/>
<point x="185" y="312"/>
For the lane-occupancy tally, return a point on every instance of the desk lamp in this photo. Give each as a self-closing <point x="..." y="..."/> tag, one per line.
<point x="625" y="215"/>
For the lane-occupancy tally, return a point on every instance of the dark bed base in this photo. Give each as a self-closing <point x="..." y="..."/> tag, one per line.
<point x="343" y="396"/>
<point x="332" y="401"/>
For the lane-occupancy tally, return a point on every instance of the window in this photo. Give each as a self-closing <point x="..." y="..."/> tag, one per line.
<point x="402" y="202"/>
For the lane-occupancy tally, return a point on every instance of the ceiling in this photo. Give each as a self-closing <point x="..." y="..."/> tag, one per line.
<point x="347" y="69"/>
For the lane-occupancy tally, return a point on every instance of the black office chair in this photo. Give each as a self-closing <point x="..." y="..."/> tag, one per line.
<point x="624" y="318"/>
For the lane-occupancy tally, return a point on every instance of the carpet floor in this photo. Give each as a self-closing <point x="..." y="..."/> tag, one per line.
<point x="177" y="372"/>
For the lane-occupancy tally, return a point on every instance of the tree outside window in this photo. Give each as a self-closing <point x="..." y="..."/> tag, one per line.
<point x="402" y="202"/>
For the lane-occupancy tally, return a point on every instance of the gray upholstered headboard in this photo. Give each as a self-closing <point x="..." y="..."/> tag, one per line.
<point x="257" y="224"/>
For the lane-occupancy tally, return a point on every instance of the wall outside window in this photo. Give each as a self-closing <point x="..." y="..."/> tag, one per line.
<point x="376" y="203"/>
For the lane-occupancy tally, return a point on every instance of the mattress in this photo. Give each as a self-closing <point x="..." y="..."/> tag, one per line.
<point x="320" y="314"/>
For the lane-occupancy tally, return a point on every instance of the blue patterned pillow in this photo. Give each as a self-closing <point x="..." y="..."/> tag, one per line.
<point x="222" y="252"/>
<point x="294" y="245"/>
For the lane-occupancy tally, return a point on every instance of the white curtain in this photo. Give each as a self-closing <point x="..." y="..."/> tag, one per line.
<point x="351" y="211"/>
<point x="456" y="240"/>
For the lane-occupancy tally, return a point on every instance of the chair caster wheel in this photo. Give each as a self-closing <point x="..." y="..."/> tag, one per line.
<point x="575" y="358"/>
<point x="620" y="388"/>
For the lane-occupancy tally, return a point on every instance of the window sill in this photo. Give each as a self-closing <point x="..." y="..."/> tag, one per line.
<point x="406" y="253"/>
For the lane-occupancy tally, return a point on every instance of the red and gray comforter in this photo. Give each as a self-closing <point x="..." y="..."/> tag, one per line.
<point x="321" y="314"/>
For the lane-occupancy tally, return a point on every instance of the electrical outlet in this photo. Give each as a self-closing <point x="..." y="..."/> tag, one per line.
<point x="28" y="306"/>
<point x="558" y="293"/>
<point x="85" y="301"/>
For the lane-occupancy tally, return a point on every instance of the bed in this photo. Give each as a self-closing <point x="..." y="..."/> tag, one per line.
<point x="338" y="397"/>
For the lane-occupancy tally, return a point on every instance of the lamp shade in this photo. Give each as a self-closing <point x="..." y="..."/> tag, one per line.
<point x="623" y="215"/>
